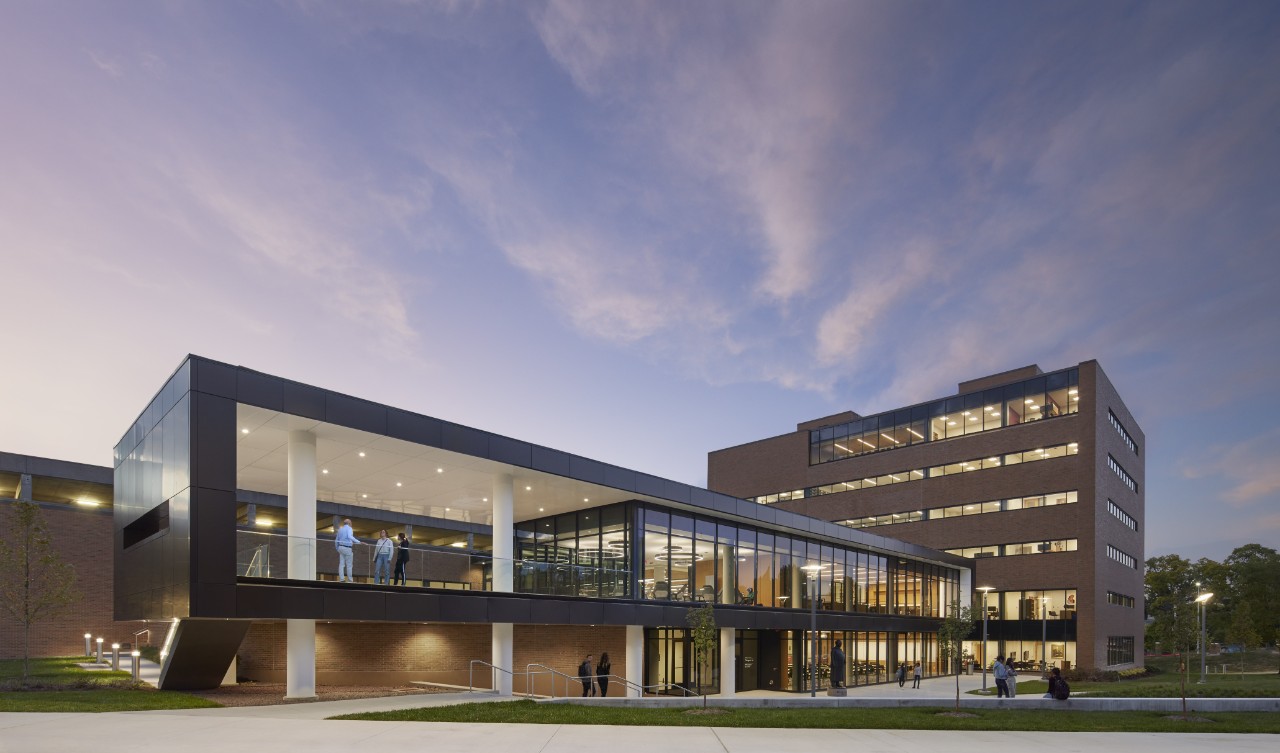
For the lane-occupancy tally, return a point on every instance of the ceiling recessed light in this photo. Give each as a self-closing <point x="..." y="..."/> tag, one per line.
<point x="364" y="496"/>
<point x="528" y="488"/>
<point x="244" y="431"/>
<point x="439" y="470"/>
<point x="486" y="499"/>
<point x="966" y="413"/>
<point x="361" y="454"/>
<point x="459" y="544"/>
<point x="264" y="522"/>
<point x="584" y="499"/>
<point x="542" y="509"/>
<point x="1030" y="401"/>
<point x="399" y="484"/>
<point x="951" y="423"/>
<point x="446" y="509"/>
<point x="324" y="470"/>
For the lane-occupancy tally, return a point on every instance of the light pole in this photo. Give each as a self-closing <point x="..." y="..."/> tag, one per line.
<point x="814" y="571"/>
<point x="1044" y="635"/>
<point x="1202" y="600"/>
<point x="986" y="590"/>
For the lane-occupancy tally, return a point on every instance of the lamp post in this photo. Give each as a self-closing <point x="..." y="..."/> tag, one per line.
<point x="115" y="657"/>
<point x="1044" y="635"/>
<point x="986" y="590"/>
<point x="814" y="571"/>
<point x="137" y="659"/>
<point x="99" y="661"/>
<point x="88" y="644"/>
<point x="1202" y="600"/>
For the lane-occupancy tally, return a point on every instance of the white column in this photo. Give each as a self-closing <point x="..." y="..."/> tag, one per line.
<point x="502" y="656"/>
<point x="503" y="578"/>
<point x="728" y="663"/>
<point x="300" y="658"/>
<point x="302" y="505"/>
<point x="503" y="532"/>
<point x="635" y="659"/>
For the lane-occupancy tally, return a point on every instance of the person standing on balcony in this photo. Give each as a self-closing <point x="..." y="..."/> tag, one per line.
<point x="402" y="559"/>
<point x="345" y="541"/>
<point x="382" y="558"/>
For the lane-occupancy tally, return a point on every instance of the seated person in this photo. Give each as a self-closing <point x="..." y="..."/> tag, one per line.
<point x="750" y="597"/>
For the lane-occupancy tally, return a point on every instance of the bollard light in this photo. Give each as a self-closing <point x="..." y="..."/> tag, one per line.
<point x="137" y="659"/>
<point x="115" y="657"/>
<point x="88" y="644"/>
<point x="99" y="651"/>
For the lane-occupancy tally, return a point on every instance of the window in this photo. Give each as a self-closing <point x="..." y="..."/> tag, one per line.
<point x="1128" y="440"/>
<point x="1013" y="550"/>
<point x="1119" y="650"/>
<point x="916" y="474"/>
<point x="1120" y="600"/>
<point x="1120" y="471"/>
<point x="1047" y="396"/>
<point x="1121" y="515"/>
<point x="955" y="511"/>
<point x="1121" y="557"/>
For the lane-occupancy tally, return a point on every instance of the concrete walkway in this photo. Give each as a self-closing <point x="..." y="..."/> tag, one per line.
<point x="303" y="728"/>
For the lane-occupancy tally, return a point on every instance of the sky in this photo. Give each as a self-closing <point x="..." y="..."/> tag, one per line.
<point x="641" y="231"/>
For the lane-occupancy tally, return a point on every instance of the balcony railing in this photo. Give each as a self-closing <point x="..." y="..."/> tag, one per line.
<point x="267" y="555"/>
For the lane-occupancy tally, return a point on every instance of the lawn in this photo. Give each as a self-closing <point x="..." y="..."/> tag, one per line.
<point x="1165" y="680"/>
<point x="57" y="684"/>
<point x="530" y="712"/>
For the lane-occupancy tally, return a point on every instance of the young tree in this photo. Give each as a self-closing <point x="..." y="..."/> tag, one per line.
<point x="1241" y="630"/>
<point x="955" y="628"/>
<point x="35" y="585"/>
<point x="705" y="639"/>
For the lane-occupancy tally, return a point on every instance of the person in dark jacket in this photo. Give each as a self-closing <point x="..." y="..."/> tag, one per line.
<point x="1058" y="688"/>
<point x="402" y="559"/>
<point x="902" y="674"/>
<point x="837" y="666"/>
<point x="603" y="669"/>
<point x="586" y="674"/>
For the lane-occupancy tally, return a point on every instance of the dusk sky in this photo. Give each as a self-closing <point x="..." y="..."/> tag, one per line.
<point x="643" y="231"/>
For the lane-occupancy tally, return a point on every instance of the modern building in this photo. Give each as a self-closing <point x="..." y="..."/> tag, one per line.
<point x="1035" y="478"/>
<point x="230" y="485"/>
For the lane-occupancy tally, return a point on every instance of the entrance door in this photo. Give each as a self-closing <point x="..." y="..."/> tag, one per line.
<point x="769" y="666"/>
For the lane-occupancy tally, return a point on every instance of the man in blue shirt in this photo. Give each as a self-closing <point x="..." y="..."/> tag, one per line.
<point x="344" y="542"/>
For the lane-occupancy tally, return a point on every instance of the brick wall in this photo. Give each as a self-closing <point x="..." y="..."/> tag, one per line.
<point x="365" y="653"/>
<point x="83" y="538"/>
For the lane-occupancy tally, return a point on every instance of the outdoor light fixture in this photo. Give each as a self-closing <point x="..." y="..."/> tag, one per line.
<point x="99" y="651"/>
<point x="1203" y="601"/>
<point x="986" y="590"/>
<point x="813" y="571"/>
<point x="115" y="657"/>
<point x="88" y="644"/>
<point x="137" y="659"/>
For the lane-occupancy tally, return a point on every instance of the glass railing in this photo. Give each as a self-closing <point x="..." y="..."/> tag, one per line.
<point x="268" y="555"/>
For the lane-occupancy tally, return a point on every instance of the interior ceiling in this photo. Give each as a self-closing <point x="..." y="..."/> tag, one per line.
<point x="369" y="470"/>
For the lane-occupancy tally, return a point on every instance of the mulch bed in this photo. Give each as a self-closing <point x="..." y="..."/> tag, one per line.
<point x="272" y="694"/>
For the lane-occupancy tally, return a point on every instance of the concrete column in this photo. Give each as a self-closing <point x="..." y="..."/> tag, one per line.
<point x="300" y="659"/>
<point x="503" y="579"/>
<point x="635" y="659"/>
<point x="302" y="505"/>
<point x="503" y="532"/>
<point x="502" y="657"/>
<point x="24" y="488"/>
<point x="728" y="574"/>
<point x="728" y="661"/>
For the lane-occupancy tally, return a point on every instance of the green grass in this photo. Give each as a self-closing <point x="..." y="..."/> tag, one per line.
<point x="59" y="685"/>
<point x="529" y="712"/>
<point x="1165" y="681"/>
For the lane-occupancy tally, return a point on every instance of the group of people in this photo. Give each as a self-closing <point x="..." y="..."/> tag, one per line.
<point x="385" y="546"/>
<point x="917" y="673"/>
<point x="1007" y="681"/>
<point x="595" y="676"/>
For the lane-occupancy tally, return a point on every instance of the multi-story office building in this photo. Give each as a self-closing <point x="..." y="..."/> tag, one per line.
<point x="229" y="487"/>
<point x="1036" y="478"/>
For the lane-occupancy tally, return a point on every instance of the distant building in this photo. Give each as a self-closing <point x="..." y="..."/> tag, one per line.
<point x="1037" y="478"/>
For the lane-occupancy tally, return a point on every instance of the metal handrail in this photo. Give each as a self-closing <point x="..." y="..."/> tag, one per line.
<point x="471" y="668"/>
<point x="140" y="632"/>
<point x="529" y="674"/>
